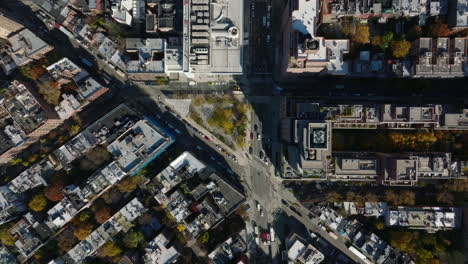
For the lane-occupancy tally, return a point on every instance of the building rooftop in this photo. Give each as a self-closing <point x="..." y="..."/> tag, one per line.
<point x="184" y="166"/>
<point x="26" y="45"/>
<point x="121" y="221"/>
<point x="215" y="34"/>
<point x="147" y="55"/>
<point x="430" y="218"/>
<point x="76" y="198"/>
<point x="74" y="148"/>
<point x="138" y="145"/>
<point x="32" y="177"/>
<point x="11" y="204"/>
<point x="23" y="107"/>
<point x="159" y="251"/>
<point x="356" y="165"/>
<point x="228" y="250"/>
<point x="299" y="251"/>
<point x="462" y="14"/>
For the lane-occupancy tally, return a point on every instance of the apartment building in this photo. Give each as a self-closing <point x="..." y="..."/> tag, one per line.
<point x="441" y="57"/>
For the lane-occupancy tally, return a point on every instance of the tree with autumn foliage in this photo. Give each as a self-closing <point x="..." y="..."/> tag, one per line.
<point x="361" y="35"/>
<point x="37" y="203"/>
<point x="129" y="184"/>
<point x="400" y="48"/>
<point x="438" y="29"/>
<point x="50" y="91"/>
<point x="110" y="249"/>
<point x="37" y="70"/>
<point x="82" y="230"/>
<point x="102" y="214"/>
<point x="54" y="192"/>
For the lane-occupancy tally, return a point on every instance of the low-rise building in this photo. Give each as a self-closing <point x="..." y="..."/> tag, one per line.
<point x="228" y="250"/>
<point x="183" y="167"/>
<point x="431" y="219"/>
<point x="23" y="45"/>
<point x="30" y="235"/>
<point x="441" y="57"/>
<point x="139" y="145"/>
<point x="121" y="221"/>
<point x="77" y="198"/>
<point x="146" y="58"/>
<point x="356" y="166"/>
<point x="300" y="251"/>
<point x="307" y="52"/>
<point x="213" y="198"/>
<point x="24" y="118"/>
<point x="159" y="251"/>
<point x="406" y="169"/>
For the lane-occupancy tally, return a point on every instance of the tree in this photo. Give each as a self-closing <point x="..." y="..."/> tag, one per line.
<point x="102" y="215"/>
<point x="132" y="239"/>
<point x="112" y="196"/>
<point x="438" y="29"/>
<point x="205" y="238"/>
<point x="370" y="197"/>
<point x="361" y="35"/>
<point x="400" y="48"/>
<point x="129" y="184"/>
<point x="407" y="198"/>
<point x="161" y="81"/>
<point x="387" y="38"/>
<point x="333" y="197"/>
<point x="74" y="129"/>
<point x="95" y="158"/>
<point x="50" y="91"/>
<point x="5" y="236"/>
<point x="376" y="41"/>
<point x="37" y="203"/>
<point x="82" y="230"/>
<point x="391" y="197"/>
<point x="403" y="240"/>
<point x="37" y="71"/>
<point x="445" y="197"/>
<point x="110" y="249"/>
<point x="66" y="240"/>
<point x="222" y="118"/>
<point x="380" y="226"/>
<point x="350" y="196"/>
<point x="53" y="192"/>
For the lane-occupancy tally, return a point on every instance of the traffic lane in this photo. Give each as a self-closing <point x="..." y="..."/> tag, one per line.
<point x="311" y="224"/>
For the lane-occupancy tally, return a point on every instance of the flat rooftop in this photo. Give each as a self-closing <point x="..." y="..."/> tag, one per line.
<point x="138" y="145"/>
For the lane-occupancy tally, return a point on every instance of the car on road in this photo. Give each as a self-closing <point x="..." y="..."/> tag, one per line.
<point x="259" y="207"/>
<point x="261" y="154"/>
<point x="259" y="136"/>
<point x="251" y="136"/>
<point x="250" y="150"/>
<point x="295" y="211"/>
<point x="272" y="234"/>
<point x="255" y="127"/>
<point x="256" y="230"/>
<point x="261" y="213"/>
<point x="206" y="138"/>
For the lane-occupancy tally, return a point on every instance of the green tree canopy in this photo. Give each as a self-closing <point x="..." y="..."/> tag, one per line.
<point x="133" y="239"/>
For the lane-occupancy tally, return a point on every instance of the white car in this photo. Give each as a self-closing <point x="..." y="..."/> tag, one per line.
<point x="259" y="208"/>
<point x="272" y="234"/>
<point x="261" y="212"/>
